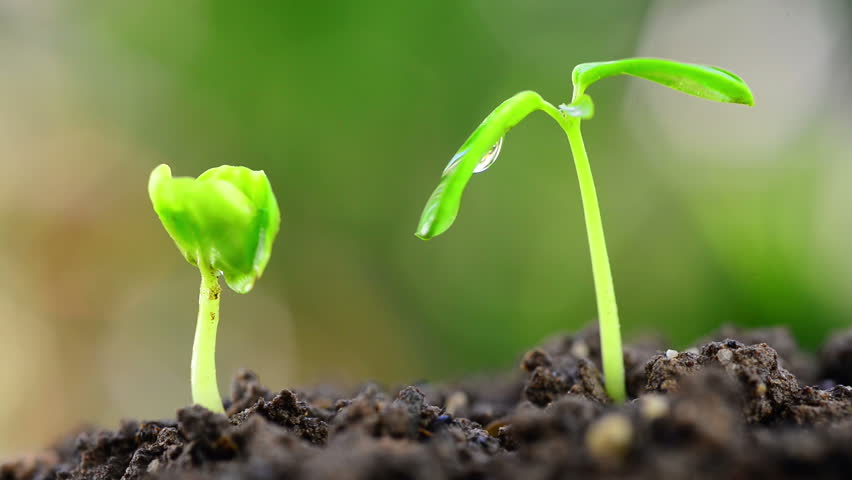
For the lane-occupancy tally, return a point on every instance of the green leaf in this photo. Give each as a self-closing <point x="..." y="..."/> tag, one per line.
<point x="707" y="82"/>
<point x="227" y="218"/>
<point x="443" y="206"/>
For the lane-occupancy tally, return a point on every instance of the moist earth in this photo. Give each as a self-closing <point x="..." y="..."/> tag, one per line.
<point x="740" y="404"/>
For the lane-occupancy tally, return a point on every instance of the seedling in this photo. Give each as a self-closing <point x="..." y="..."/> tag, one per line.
<point x="483" y="146"/>
<point x="224" y="223"/>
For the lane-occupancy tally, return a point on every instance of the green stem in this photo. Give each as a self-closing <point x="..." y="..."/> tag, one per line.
<point x="610" y="331"/>
<point x="205" y="390"/>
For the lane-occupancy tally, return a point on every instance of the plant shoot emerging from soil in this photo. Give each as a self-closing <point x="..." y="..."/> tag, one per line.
<point x="224" y="223"/>
<point x="482" y="147"/>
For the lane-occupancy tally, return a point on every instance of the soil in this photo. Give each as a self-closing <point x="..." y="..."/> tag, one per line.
<point x="732" y="407"/>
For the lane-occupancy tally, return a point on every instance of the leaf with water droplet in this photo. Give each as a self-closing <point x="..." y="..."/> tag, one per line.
<point x="484" y="163"/>
<point x="702" y="81"/>
<point x="477" y="153"/>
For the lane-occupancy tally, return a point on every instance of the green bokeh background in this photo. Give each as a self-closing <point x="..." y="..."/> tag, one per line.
<point x="714" y="213"/>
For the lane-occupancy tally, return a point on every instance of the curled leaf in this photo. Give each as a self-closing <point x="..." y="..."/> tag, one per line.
<point x="703" y="81"/>
<point x="443" y="206"/>
<point x="227" y="218"/>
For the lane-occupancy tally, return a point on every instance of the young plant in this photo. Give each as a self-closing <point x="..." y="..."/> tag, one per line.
<point x="224" y="223"/>
<point x="483" y="146"/>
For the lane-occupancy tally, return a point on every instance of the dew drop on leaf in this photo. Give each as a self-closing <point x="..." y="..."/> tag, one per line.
<point x="486" y="161"/>
<point x="489" y="158"/>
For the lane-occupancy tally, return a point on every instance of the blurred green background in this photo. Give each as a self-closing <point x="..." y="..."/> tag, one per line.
<point x="714" y="213"/>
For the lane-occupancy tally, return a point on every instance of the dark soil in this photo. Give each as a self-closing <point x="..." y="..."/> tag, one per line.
<point x="725" y="409"/>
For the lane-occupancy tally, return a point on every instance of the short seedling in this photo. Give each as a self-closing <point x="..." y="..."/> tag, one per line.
<point x="482" y="147"/>
<point x="224" y="222"/>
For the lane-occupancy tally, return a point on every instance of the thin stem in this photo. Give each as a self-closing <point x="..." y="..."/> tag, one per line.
<point x="205" y="390"/>
<point x="610" y="330"/>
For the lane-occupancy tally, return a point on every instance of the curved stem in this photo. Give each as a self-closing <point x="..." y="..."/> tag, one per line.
<point x="610" y="330"/>
<point x="205" y="390"/>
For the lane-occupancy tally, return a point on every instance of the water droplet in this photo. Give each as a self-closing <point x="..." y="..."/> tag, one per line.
<point x="486" y="161"/>
<point x="489" y="158"/>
